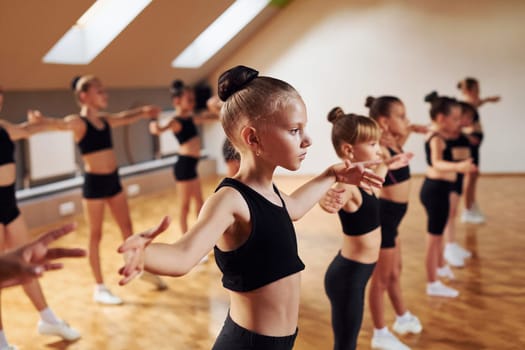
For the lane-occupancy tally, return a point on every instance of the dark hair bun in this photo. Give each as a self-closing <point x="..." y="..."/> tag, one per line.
<point x="369" y="101"/>
<point x="431" y="97"/>
<point x="460" y="85"/>
<point x="235" y="79"/>
<point x="74" y="82"/>
<point x="335" y="113"/>
<point x="177" y="87"/>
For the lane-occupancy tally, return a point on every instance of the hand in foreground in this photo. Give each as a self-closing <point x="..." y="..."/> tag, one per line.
<point x="31" y="260"/>
<point x="332" y="201"/>
<point x="358" y="174"/>
<point x="133" y="249"/>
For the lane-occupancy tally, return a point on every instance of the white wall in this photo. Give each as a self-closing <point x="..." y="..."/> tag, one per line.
<point x="336" y="52"/>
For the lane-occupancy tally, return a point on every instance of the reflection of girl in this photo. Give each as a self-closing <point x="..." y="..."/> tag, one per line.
<point x="469" y="87"/>
<point x="183" y="126"/>
<point x="92" y="132"/>
<point x="248" y="221"/>
<point x="13" y="229"/>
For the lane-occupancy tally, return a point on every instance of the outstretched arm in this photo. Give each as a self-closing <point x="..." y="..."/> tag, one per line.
<point x="179" y="258"/>
<point x="305" y="197"/>
<point x="36" y="123"/>
<point x="33" y="259"/>
<point x="156" y="128"/>
<point x="132" y="115"/>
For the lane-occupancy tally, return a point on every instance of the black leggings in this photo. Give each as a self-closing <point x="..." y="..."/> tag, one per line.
<point x="235" y="337"/>
<point x="435" y="198"/>
<point x="345" y="282"/>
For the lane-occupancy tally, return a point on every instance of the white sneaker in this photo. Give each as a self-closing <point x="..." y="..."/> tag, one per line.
<point x="470" y="217"/>
<point x="154" y="279"/>
<point x="438" y="289"/>
<point x="460" y="251"/>
<point x="104" y="296"/>
<point x="61" y="329"/>
<point x="9" y="347"/>
<point x="478" y="212"/>
<point x="387" y="341"/>
<point x="445" y="272"/>
<point x="410" y="325"/>
<point x="452" y="256"/>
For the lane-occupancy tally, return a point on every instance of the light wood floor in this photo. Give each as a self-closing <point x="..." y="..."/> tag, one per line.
<point x="489" y="313"/>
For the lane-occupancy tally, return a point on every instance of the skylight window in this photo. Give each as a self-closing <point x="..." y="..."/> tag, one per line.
<point x="93" y="32"/>
<point x="219" y="33"/>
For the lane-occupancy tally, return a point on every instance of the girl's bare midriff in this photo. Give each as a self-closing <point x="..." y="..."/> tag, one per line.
<point x="363" y="248"/>
<point x="434" y="174"/>
<point x="100" y="162"/>
<point x="271" y="310"/>
<point x="7" y="174"/>
<point x="191" y="148"/>
<point x="397" y="192"/>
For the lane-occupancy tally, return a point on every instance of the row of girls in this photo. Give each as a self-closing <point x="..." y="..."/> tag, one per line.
<point x="91" y="128"/>
<point x="262" y="276"/>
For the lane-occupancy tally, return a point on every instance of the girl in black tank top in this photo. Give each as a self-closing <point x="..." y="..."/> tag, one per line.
<point x="248" y="221"/>
<point x="390" y="114"/>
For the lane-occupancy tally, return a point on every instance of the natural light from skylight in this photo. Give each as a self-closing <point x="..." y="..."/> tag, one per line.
<point x="93" y="32"/>
<point x="219" y="33"/>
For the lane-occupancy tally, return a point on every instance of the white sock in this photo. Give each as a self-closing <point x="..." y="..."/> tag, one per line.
<point x="100" y="286"/>
<point x="47" y="315"/>
<point x="3" y="340"/>
<point x="381" y="332"/>
<point x="404" y="317"/>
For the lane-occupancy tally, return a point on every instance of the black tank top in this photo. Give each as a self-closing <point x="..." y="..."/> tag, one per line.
<point x="188" y="129"/>
<point x="7" y="148"/>
<point x="365" y="219"/>
<point x="447" y="152"/>
<point x="398" y="175"/>
<point x="94" y="139"/>
<point x="269" y="254"/>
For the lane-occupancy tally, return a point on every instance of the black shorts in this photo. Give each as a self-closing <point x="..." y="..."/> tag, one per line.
<point x="8" y="208"/>
<point x="235" y="337"/>
<point x="391" y="215"/>
<point x="97" y="186"/>
<point x="457" y="186"/>
<point x="185" y="168"/>
<point x="435" y="198"/>
<point x="474" y="152"/>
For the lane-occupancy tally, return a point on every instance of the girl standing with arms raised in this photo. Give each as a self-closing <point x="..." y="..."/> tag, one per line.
<point x="91" y="128"/>
<point x="440" y="177"/>
<point x="184" y="127"/>
<point x="13" y="229"/>
<point x="469" y="87"/>
<point x="248" y="221"/>
<point x="355" y="139"/>
<point x="389" y="113"/>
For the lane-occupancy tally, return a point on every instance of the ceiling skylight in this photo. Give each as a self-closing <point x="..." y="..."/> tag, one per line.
<point x="101" y="23"/>
<point x="220" y="32"/>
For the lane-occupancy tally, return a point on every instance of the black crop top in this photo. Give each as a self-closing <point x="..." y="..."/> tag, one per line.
<point x="188" y="129"/>
<point x="7" y="148"/>
<point x="447" y="152"/>
<point x="95" y="139"/>
<point x="269" y="254"/>
<point x="365" y="219"/>
<point x="398" y="175"/>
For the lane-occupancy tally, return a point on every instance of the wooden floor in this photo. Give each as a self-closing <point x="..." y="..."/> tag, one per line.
<point x="489" y="313"/>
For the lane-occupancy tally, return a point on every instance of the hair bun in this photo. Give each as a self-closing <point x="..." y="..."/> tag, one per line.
<point x="74" y="82"/>
<point x="369" y="101"/>
<point x="177" y="87"/>
<point x="235" y="79"/>
<point x="335" y="113"/>
<point x="431" y="97"/>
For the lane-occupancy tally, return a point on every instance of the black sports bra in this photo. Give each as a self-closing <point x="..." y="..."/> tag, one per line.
<point x="365" y="219"/>
<point x="398" y="175"/>
<point x="447" y="152"/>
<point x="188" y="129"/>
<point x="269" y="254"/>
<point x="95" y="139"/>
<point x="7" y="148"/>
